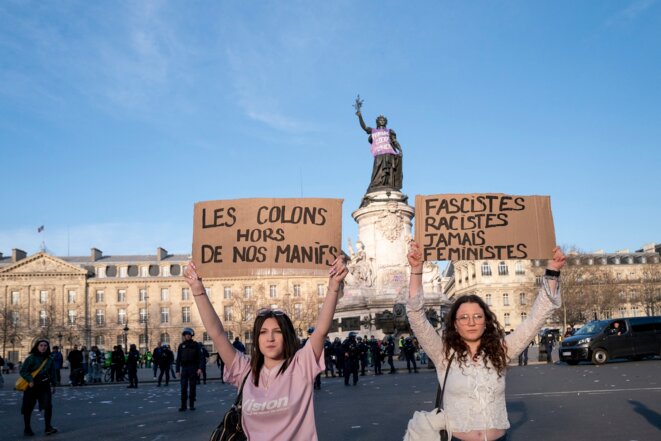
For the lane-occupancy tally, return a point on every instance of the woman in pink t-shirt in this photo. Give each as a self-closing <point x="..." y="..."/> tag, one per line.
<point x="277" y="396"/>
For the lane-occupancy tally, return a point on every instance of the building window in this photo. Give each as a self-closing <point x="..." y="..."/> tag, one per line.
<point x="121" y="296"/>
<point x="100" y="317"/>
<point x="123" y="271"/>
<point x="321" y="290"/>
<point x="247" y="292"/>
<point x="623" y="312"/>
<point x="143" y="315"/>
<point x="121" y="316"/>
<point x="522" y="298"/>
<point x="71" y="296"/>
<point x="165" y="271"/>
<point x="538" y="281"/>
<point x="165" y="338"/>
<point x="297" y="290"/>
<point x="506" y="299"/>
<point x="524" y="316"/>
<point x="298" y="308"/>
<point x="120" y="340"/>
<point x="144" y="271"/>
<point x="247" y="336"/>
<point x="100" y="296"/>
<point x="185" y="314"/>
<point x="227" y="292"/>
<point x="230" y="336"/>
<point x="507" y="319"/>
<point x="142" y="339"/>
<point x="15" y="318"/>
<point x="487" y="299"/>
<point x="486" y="269"/>
<point x="165" y="315"/>
<point x="100" y="272"/>
<point x="248" y="312"/>
<point x="43" y="318"/>
<point x="185" y="294"/>
<point x="518" y="269"/>
<point x="227" y="314"/>
<point x="43" y="297"/>
<point x="273" y="291"/>
<point x="71" y="317"/>
<point x="502" y="269"/>
<point x="205" y="336"/>
<point x="99" y="340"/>
<point x="15" y="297"/>
<point x="142" y="296"/>
<point x="165" y="294"/>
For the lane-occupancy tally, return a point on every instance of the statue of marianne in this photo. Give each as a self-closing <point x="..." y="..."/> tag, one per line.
<point x="387" y="168"/>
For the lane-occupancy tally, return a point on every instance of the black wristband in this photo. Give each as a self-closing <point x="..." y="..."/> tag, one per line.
<point x="551" y="273"/>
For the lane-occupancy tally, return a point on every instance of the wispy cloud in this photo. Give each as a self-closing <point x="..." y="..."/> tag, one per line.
<point x="630" y="13"/>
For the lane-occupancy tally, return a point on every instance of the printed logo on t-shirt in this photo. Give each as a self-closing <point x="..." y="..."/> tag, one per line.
<point x="252" y="407"/>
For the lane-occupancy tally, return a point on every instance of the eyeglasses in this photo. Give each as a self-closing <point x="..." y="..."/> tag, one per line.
<point x="464" y="319"/>
<point x="266" y="312"/>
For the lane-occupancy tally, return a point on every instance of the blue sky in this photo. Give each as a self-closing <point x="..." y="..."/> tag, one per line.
<point x="116" y="117"/>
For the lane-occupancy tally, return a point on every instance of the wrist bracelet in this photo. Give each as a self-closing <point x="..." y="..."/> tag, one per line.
<point x="551" y="273"/>
<point x="202" y="294"/>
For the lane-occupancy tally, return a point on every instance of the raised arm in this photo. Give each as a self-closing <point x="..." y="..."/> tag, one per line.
<point x="548" y="299"/>
<point x="210" y="319"/>
<point x="367" y="130"/>
<point x="336" y="275"/>
<point x="427" y="336"/>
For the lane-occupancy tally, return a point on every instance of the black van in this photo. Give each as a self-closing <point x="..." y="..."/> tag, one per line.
<point x="599" y="341"/>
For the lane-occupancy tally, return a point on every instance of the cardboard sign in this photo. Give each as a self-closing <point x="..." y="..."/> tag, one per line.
<point x="244" y="237"/>
<point x="484" y="227"/>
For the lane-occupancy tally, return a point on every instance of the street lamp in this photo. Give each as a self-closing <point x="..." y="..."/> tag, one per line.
<point x="126" y="336"/>
<point x="146" y="323"/>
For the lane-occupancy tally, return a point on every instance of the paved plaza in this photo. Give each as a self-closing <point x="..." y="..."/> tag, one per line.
<point x="618" y="401"/>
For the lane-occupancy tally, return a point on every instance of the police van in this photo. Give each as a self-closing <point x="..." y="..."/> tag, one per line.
<point x="602" y="340"/>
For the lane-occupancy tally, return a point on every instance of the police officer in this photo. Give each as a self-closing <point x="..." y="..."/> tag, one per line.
<point x="351" y="358"/>
<point x="409" y="353"/>
<point x="362" y="355"/>
<point x="189" y="367"/>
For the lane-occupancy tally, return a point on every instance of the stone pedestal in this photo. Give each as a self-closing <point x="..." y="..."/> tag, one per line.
<point x="379" y="271"/>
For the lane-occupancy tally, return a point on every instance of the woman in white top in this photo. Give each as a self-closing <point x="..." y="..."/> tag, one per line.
<point x="474" y="398"/>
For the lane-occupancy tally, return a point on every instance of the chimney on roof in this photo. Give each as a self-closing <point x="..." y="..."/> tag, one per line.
<point x="96" y="254"/>
<point x="17" y="255"/>
<point x="0" y="255"/>
<point x="161" y="253"/>
<point x="623" y="251"/>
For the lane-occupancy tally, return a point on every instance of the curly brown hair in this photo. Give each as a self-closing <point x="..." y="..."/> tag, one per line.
<point x="492" y="343"/>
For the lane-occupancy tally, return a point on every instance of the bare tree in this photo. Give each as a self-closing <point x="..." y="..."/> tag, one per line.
<point x="11" y="325"/>
<point x="650" y="288"/>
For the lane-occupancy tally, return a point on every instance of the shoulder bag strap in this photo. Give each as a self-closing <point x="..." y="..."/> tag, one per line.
<point x="440" y="391"/>
<point x="237" y="403"/>
<point x="36" y="371"/>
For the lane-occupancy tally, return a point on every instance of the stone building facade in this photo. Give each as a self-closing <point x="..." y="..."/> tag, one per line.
<point x="109" y="300"/>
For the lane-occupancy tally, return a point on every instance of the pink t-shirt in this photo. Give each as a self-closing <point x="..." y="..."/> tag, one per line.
<point x="281" y="408"/>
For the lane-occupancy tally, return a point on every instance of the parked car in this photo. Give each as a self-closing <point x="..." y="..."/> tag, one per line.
<point x="602" y="340"/>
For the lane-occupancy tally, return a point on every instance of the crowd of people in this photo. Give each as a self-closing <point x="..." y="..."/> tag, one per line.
<point x="473" y="348"/>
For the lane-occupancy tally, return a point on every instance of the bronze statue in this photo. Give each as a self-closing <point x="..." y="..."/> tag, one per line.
<point x="387" y="168"/>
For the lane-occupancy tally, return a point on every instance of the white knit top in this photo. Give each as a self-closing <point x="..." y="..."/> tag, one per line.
<point x="474" y="397"/>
